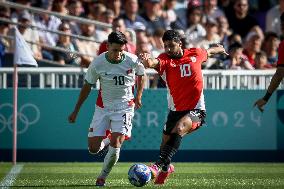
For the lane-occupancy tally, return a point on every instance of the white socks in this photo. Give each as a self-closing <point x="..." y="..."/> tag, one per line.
<point x="104" y="143"/>
<point x="110" y="160"/>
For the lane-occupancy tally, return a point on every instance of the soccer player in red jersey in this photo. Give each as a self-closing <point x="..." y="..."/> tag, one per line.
<point x="278" y="76"/>
<point x="181" y="70"/>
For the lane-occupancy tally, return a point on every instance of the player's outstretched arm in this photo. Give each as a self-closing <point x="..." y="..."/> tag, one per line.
<point x="140" y="87"/>
<point x="85" y="91"/>
<point x="274" y="83"/>
<point x="216" y="49"/>
<point x="147" y="61"/>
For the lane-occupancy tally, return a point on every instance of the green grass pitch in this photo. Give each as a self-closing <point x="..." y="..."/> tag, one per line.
<point x="187" y="175"/>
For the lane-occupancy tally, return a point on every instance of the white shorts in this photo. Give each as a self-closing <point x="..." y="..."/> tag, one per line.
<point x="116" y="121"/>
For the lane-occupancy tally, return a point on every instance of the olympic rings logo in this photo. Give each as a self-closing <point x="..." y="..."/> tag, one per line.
<point x="24" y="121"/>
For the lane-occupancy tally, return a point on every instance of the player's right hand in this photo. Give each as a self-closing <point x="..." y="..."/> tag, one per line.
<point x="72" y="117"/>
<point x="138" y="103"/>
<point x="260" y="103"/>
<point x="144" y="57"/>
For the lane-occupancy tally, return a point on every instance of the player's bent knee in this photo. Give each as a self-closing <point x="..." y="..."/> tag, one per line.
<point x="180" y="130"/>
<point x="195" y="126"/>
<point x="93" y="150"/>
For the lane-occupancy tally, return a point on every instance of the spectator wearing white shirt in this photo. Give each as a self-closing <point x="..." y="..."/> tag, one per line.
<point x="272" y="22"/>
<point x="16" y="12"/>
<point x="209" y="39"/>
<point x="169" y="13"/>
<point x="87" y="47"/>
<point x="47" y="22"/>
<point x="30" y="35"/>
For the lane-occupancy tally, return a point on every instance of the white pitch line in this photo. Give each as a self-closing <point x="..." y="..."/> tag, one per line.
<point x="11" y="176"/>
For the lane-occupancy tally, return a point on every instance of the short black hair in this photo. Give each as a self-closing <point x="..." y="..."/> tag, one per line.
<point x="269" y="35"/>
<point x="116" y="19"/>
<point x="235" y="46"/>
<point x="117" y="37"/>
<point x="170" y="35"/>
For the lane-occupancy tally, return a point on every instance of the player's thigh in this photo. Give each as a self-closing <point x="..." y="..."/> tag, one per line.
<point x="190" y="122"/>
<point x="173" y="119"/>
<point x="183" y="126"/>
<point x="100" y="123"/>
<point x="121" y="121"/>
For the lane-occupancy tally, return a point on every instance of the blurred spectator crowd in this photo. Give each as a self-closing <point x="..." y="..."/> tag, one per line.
<point x="250" y="30"/>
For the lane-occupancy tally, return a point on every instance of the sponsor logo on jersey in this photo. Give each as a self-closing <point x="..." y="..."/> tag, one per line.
<point x="129" y="71"/>
<point x="193" y="59"/>
<point x="173" y="64"/>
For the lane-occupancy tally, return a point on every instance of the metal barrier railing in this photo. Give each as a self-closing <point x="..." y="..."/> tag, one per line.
<point x="50" y="31"/>
<point x="65" y="17"/>
<point x="73" y="77"/>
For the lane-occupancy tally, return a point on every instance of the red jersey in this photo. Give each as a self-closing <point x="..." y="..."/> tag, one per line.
<point x="280" y="61"/>
<point x="184" y="79"/>
<point x="249" y="58"/>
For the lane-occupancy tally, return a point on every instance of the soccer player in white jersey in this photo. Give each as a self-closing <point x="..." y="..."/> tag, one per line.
<point x="116" y="70"/>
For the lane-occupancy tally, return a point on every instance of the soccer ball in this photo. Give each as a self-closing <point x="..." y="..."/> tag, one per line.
<point x="139" y="174"/>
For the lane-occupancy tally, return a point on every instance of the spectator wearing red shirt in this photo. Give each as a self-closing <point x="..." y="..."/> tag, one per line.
<point x="252" y="46"/>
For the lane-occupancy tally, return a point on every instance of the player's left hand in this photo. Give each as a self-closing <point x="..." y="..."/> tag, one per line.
<point x="260" y="103"/>
<point x="72" y="117"/>
<point x="138" y="103"/>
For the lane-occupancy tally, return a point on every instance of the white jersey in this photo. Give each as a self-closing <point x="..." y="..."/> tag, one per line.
<point x="116" y="80"/>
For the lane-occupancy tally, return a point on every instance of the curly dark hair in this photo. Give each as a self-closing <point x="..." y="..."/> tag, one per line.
<point x="170" y="35"/>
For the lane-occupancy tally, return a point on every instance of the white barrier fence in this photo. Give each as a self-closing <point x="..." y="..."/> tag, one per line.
<point x="69" y="77"/>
